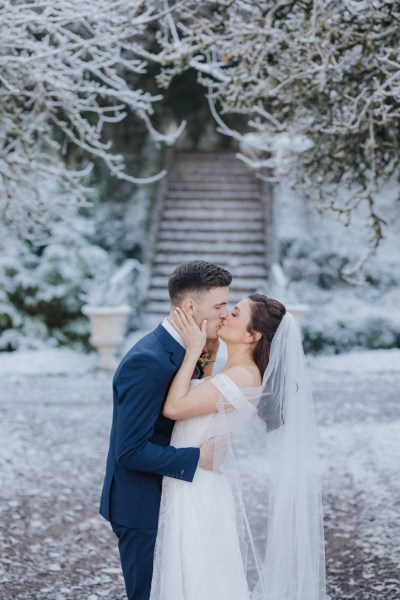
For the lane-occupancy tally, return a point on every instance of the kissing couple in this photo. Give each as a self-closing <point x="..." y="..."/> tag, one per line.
<point x="212" y="484"/>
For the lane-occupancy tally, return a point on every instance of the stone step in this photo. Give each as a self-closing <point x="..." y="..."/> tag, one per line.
<point x="239" y="283"/>
<point x="211" y="174"/>
<point x="213" y="179"/>
<point x="221" y="156"/>
<point x="157" y="308"/>
<point x="162" y="306"/>
<point x="205" y="153"/>
<point x="188" y="246"/>
<point x="210" y="159"/>
<point x="213" y="186"/>
<point x="242" y="271"/>
<point x="210" y="195"/>
<point x="161" y="294"/>
<point x="226" y="164"/>
<point x="201" y="225"/>
<point x="235" y="294"/>
<point x="226" y="237"/>
<point x="192" y="214"/>
<point x="222" y="258"/>
<point x="205" y="166"/>
<point x="154" y="307"/>
<point x="212" y="211"/>
<point x="212" y="205"/>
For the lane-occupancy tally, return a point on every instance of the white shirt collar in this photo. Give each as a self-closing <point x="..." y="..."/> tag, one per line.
<point x="167" y="325"/>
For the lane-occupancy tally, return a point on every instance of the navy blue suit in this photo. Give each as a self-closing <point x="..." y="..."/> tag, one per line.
<point x="140" y="454"/>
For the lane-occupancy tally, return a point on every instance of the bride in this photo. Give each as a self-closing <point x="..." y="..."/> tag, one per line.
<point x="251" y="529"/>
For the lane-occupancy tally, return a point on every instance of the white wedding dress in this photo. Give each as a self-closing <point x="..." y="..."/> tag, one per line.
<point x="198" y="555"/>
<point x="251" y="529"/>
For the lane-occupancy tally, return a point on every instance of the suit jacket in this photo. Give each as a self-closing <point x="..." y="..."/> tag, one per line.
<point x="140" y="454"/>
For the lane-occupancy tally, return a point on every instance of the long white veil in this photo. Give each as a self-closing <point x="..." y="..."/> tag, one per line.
<point x="272" y="465"/>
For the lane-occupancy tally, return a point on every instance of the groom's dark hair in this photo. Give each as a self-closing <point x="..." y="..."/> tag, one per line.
<point x="196" y="276"/>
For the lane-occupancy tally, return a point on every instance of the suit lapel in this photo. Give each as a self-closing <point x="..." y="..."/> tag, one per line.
<point x="171" y="346"/>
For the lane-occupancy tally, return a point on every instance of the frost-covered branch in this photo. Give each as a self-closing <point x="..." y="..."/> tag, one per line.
<point x="319" y="82"/>
<point x="64" y="70"/>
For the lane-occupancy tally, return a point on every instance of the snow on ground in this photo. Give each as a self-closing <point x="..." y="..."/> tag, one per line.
<point x="55" y="415"/>
<point x="60" y="361"/>
<point x="358" y="411"/>
<point x="359" y="362"/>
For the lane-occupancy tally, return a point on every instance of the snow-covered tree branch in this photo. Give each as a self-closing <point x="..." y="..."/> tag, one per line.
<point x="319" y="83"/>
<point x="63" y="75"/>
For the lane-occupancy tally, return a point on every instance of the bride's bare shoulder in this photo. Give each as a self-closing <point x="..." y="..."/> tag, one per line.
<point x="244" y="376"/>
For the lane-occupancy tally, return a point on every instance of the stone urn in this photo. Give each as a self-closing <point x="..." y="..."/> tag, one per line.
<point x="107" y="326"/>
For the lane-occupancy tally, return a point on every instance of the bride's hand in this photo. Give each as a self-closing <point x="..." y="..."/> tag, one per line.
<point x="212" y="346"/>
<point x="193" y="336"/>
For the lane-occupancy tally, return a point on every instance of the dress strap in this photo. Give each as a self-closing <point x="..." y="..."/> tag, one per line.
<point x="230" y="391"/>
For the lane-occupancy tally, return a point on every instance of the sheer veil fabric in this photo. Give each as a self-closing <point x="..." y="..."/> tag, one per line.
<point x="274" y="464"/>
<point x="253" y="528"/>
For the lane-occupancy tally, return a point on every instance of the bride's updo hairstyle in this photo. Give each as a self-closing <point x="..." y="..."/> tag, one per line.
<point x="266" y="315"/>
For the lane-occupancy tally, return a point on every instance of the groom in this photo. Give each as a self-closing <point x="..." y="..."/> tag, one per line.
<point x="139" y="454"/>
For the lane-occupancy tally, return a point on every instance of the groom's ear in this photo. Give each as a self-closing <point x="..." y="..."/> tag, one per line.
<point x="188" y="306"/>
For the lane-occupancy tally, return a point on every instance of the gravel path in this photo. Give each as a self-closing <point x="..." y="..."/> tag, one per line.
<point x="53" y="442"/>
<point x="359" y="430"/>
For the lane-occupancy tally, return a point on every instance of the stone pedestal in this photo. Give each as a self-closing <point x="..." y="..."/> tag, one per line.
<point x="107" y="324"/>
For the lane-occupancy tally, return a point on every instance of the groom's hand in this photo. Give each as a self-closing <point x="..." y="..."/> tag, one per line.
<point x="208" y="459"/>
<point x="207" y="451"/>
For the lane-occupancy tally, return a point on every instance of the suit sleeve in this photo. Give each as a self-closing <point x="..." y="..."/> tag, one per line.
<point x="140" y="392"/>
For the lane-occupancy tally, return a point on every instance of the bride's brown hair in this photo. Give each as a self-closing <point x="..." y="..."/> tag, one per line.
<point x="265" y="317"/>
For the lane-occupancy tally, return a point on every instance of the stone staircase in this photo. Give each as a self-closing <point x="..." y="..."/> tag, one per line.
<point x="210" y="207"/>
